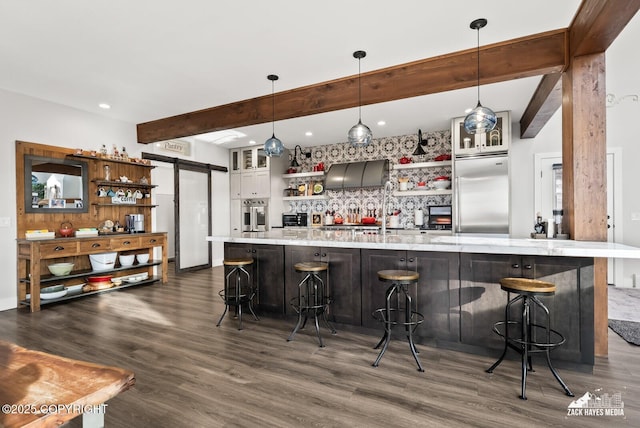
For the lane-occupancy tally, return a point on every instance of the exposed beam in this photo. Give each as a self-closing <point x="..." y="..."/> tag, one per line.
<point x="595" y="26"/>
<point x="546" y="100"/>
<point x="523" y="57"/>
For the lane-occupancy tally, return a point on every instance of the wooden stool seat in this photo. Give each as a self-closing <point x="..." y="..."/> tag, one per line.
<point x="311" y="266"/>
<point x="526" y="285"/>
<point x="398" y="275"/>
<point x="237" y="262"/>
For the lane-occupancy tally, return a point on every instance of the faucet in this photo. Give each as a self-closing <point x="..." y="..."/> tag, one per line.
<point x="385" y="190"/>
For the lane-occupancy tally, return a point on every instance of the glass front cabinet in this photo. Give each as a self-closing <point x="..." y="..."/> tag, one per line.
<point x="497" y="140"/>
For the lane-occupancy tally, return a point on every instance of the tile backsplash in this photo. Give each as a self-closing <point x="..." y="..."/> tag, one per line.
<point x="392" y="148"/>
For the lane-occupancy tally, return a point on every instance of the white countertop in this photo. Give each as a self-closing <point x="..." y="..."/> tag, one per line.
<point x="435" y="242"/>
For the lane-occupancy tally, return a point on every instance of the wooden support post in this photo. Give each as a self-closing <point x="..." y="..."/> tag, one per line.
<point x="584" y="184"/>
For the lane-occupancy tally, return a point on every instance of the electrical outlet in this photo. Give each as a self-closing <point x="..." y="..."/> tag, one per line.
<point x="5" y="222"/>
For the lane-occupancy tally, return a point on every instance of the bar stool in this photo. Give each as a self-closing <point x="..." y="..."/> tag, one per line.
<point x="527" y="343"/>
<point x="237" y="292"/>
<point x="399" y="315"/>
<point x="313" y="298"/>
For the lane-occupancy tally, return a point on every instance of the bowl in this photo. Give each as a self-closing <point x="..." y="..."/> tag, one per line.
<point x="60" y="269"/>
<point x="442" y="184"/>
<point x="71" y="289"/>
<point x="54" y="292"/>
<point x="103" y="261"/>
<point x="142" y="258"/>
<point x="368" y="220"/>
<point x="126" y="260"/>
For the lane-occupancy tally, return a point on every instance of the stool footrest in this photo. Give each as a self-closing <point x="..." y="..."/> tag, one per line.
<point x="379" y="315"/>
<point x="544" y="345"/>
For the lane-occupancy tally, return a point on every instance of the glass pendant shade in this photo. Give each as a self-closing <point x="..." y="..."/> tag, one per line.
<point x="360" y="135"/>
<point x="273" y="147"/>
<point x="480" y="121"/>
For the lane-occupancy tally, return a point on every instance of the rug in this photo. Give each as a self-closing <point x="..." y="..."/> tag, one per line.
<point x="628" y="330"/>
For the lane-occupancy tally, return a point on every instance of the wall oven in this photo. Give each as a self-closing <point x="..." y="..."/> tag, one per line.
<point x="254" y="215"/>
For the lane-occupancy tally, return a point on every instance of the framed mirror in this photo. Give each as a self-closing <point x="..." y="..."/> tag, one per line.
<point x="55" y="185"/>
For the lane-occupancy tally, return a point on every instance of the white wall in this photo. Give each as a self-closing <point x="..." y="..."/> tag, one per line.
<point x="30" y="119"/>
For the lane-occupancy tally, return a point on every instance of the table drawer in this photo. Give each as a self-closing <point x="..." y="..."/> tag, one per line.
<point x="125" y="243"/>
<point x="95" y="246"/>
<point x="51" y="250"/>
<point x="151" y="241"/>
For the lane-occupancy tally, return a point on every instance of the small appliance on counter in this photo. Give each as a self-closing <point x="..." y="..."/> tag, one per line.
<point x="134" y="223"/>
<point x="295" y="220"/>
<point x="439" y="217"/>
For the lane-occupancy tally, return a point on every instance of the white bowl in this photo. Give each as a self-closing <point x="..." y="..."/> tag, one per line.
<point x="60" y="269"/>
<point x="126" y="260"/>
<point x="103" y="261"/>
<point x="74" y="288"/>
<point x="142" y="258"/>
<point x="442" y="184"/>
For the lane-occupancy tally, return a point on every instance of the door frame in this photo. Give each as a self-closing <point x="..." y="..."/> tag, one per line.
<point x="614" y="190"/>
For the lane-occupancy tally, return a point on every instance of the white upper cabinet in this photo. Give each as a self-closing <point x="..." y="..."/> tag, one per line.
<point x="497" y="140"/>
<point x="254" y="158"/>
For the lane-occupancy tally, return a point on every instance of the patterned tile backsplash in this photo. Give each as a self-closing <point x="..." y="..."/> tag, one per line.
<point x="368" y="199"/>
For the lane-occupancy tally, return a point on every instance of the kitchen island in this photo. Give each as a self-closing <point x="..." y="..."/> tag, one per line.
<point x="458" y="291"/>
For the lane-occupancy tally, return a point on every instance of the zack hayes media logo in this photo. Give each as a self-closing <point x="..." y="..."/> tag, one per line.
<point x="591" y="404"/>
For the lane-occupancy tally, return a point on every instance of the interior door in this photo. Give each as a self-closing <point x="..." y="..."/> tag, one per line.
<point x="193" y="195"/>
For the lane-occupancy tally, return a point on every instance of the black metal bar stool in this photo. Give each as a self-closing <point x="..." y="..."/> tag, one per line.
<point x="237" y="292"/>
<point x="313" y="297"/>
<point x="398" y="315"/>
<point x="529" y="341"/>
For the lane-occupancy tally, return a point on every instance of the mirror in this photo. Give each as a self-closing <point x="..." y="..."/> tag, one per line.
<point x="55" y="185"/>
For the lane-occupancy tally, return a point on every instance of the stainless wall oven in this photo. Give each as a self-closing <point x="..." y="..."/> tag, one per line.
<point x="254" y="215"/>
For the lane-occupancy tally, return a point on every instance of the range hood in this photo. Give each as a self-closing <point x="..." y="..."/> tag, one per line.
<point x="357" y="174"/>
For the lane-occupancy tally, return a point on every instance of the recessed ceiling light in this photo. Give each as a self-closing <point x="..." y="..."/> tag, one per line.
<point x="104" y="106"/>
<point x="252" y="142"/>
<point x="308" y="133"/>
<point x="381" y="123"/>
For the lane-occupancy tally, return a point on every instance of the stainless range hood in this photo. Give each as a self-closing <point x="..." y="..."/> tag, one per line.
<point x="357" y="174"/>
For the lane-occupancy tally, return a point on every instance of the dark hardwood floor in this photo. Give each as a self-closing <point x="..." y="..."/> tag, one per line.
<point x="191" y="374"/>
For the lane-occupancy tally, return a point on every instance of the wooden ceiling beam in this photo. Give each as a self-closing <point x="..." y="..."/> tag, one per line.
<point x="528" y="56"/>
<point x="595" y="26"/>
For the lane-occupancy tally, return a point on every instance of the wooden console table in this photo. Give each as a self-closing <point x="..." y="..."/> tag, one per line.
<point x="44" y="390"/>
<point x="35" y="255"/>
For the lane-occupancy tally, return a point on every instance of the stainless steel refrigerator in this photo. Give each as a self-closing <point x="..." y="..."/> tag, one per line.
<point x="481" y="194"/>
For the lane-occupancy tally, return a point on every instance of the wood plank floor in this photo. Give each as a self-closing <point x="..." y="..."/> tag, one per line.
<point x="191" y="374"/>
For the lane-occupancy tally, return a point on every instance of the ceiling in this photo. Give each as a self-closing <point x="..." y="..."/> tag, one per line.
<point x="151" y="60"/>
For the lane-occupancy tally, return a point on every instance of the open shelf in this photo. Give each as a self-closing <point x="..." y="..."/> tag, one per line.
<point x="418" y="165"/>
<point x="422" y="192"/>
<point x="304" y="174"/>
<point x="87" y="272"/>
<point x="76" y="295"/>
<point x="107" y="159"/>
<point x="300" y="198"/>
<point x="123" y="184"/>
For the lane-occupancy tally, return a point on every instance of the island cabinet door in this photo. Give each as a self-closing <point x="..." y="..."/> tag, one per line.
<point x="571" y="307"/>
<point x="482" y="301"/>
<point x="267" y="273"/>
<point x="438" y="295"/>
<point x="373" y="290"/>
<point x="343" y="280"/>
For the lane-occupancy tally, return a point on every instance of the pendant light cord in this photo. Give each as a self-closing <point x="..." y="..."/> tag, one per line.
<point x="478" y="44"/>
<point x="359" y="92"/>
<point x="273" y="109"/>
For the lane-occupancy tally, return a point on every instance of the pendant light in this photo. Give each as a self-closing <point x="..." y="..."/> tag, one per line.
<point x="481" y="119"/>
<point x="273" y="146"/>
<point x="359" y="135"/>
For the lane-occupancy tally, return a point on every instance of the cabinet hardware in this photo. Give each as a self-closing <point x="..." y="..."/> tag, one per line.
<point x="126" y="243"/>
<point x="316" y="254"/>
<point x="515" y="266"/>
<point x="58" y="248"/>
<point x="410" y="260"/>
<point x="153" y="241"/>
<point x="95" y="245"/>
<point x="402" y="259"/>
<point x="324" y="255"/>
<point x="527" y="266"/>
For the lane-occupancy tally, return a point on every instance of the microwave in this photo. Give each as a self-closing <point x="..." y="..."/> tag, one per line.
<point x="439" y="217"/>
<point x="295" y="220"/>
